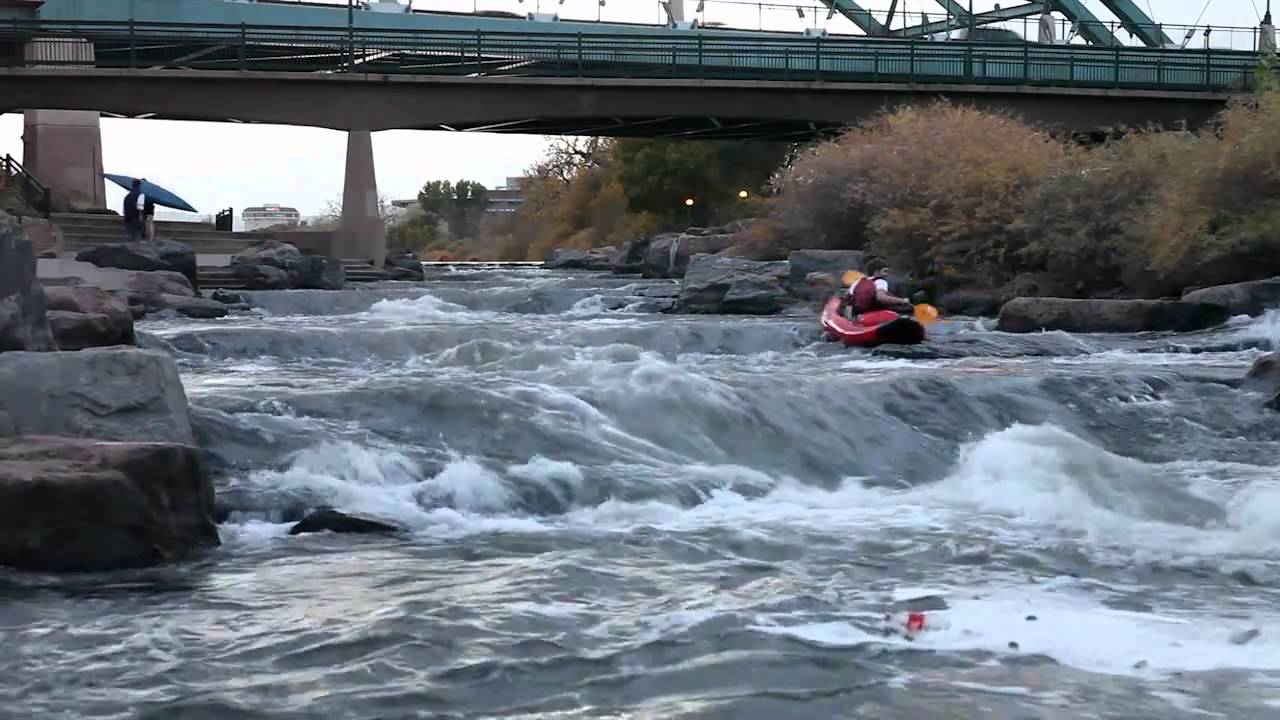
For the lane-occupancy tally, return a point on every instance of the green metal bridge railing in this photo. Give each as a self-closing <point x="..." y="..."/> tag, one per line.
<point x="704" y="56"/>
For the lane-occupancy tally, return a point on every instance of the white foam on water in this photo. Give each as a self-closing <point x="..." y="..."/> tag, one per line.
<point x="424" y="308"/>
<point x="587" y="306"/>
<point x="1046" y="476"/>
<point x="467" y="486"/>
<point x="1265" y="328"/>
<point x="1072" y="629"/>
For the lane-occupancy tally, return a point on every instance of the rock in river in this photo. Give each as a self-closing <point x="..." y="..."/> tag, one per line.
<point x="715" y="284"/>
<point x="276" y="254"/>
<point x="262" y="277"/>
<point x="334" y="521"/>
<point x="105" y="393"/>
<point x="146" y="255"/>
<point x="404" y="267"/>
<point x="601" y="258"/>
<point x="77" y="331"/>
<point x="104" y="319"/>
<point x="23" y="323"/>
<point x="69" y="504"/>
<point x="1244" y="298"/>
<point x="668" y="256"/>
<point x="1027" y="314"/>
<point x="827" y="262"/>
<point x="317" y="272"/>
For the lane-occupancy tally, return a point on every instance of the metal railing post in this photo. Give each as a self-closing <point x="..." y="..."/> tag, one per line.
<point x="817" y="60"/>
<point x="700" y="57"/>
<point x="912" y="58"/>
<point x="1115" y="68"/>
<point x="478" y="55"/>
<point x="580" y="67"/>
<point x="133" y="46"/>
<point x="1026" y="62"/>
<point x="242" y="52"/>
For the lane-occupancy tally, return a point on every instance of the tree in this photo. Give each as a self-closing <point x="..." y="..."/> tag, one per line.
<point x="660" y="176"/>
<point x="331" y="215"/>
<point x="470" y="200"/>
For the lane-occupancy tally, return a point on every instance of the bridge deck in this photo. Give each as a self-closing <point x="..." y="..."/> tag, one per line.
<point x="582" y="55"/>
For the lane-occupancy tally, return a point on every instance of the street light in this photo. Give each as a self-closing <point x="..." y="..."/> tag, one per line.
<point x="688" y="202"/>
<point x="742" y="194"/>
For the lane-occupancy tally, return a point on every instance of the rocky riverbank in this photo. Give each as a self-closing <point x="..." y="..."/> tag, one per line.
<point x="99" y="466"/>
<point x="718" y="276"/>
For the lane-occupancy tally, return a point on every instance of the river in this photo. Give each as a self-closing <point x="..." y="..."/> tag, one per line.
<point x="620" y="514"/>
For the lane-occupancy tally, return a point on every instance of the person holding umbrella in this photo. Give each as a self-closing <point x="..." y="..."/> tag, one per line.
<point x="139" y="214"/>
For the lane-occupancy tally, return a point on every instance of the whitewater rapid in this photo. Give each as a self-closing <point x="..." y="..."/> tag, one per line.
<point x="612" y="512"/>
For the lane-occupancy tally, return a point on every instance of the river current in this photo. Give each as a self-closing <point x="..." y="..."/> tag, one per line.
<point x="615" y="513"/>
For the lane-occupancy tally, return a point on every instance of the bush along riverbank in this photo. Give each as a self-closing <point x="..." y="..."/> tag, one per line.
<point x="978" y="209"/>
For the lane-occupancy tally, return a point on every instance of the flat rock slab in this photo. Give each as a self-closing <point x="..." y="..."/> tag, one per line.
<point x="1032" y="314"/>
<point x="69" y="504"/>
<point x="123" y="394"/>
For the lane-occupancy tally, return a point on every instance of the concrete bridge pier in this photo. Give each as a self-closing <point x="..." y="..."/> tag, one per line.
<point x="63" y="148"/>
<point x="361" y="233"/>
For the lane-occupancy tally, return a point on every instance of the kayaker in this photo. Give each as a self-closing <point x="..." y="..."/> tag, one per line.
<point x="871" y="292"/>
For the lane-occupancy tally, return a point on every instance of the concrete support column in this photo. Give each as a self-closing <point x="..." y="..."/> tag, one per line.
<point x="63" y="148"/>
<point x="361" y="234"/>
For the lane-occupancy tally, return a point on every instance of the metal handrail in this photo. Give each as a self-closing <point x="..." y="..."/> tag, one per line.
<point x="334" y="49"/>
<point x="34" y="193"/>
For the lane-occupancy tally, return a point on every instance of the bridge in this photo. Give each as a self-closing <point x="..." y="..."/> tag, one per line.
<point x="366" y="71"/>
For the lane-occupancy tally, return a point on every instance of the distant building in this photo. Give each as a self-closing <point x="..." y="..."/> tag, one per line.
<point x="268" y="216"/>
<point x="503" y="199"/>
<point x="507" y="199"/>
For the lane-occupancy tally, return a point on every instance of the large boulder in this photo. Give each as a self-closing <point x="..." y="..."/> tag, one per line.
<point x="630" y="257"/>
<point x="69" y="504"/>
<point x="146" y="255"/>
<point x="192" y="307"/>
<point x="715" y="284"/>
<point x="1245" y="298"/>
<point x="1264" y="374"/>
<point x="273" y="253"/>
<point x="827" y="262"/>
<point x="47" y="239"/>
<point x="105" y="393"/>
<point x="1022" y="315"/>
<point x="979" y="303"/>
<point x="668" y="255"/>
<point x="160" y="282"/>
<point x="262" y="277"/>
<point x="23" y="323"/>
<point x="404" y="267"/>
<point x="77" y="331"/>
<point x="601" y="258"/>
<point x="318" y="272"/>
<point x="92" y="304"/>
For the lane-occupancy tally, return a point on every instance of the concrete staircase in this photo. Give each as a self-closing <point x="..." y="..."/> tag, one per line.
<point x="82" y="230"/>
<point x="223" y="278"/>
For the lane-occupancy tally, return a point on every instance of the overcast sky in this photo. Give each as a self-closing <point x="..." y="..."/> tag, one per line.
<point x="218" y="165"/>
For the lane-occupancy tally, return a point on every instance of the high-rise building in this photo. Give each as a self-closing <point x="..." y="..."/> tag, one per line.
<point x="268" y="216"/>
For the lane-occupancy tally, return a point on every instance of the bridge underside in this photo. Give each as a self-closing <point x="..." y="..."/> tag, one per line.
<point x="569" y="106"/>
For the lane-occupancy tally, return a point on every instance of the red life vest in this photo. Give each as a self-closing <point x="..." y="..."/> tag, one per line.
<point x="864" y="296"/>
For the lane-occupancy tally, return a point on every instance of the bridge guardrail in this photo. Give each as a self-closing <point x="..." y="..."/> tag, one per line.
<point x="582" y="55"/>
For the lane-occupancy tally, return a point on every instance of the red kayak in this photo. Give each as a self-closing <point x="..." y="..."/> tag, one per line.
<point x="878" y="327"/>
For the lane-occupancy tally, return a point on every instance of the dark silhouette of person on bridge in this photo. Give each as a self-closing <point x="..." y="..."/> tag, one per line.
<point x="139" y="214"/>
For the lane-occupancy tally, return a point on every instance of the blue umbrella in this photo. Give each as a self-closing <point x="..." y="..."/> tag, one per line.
<point x="158" y="195"/>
